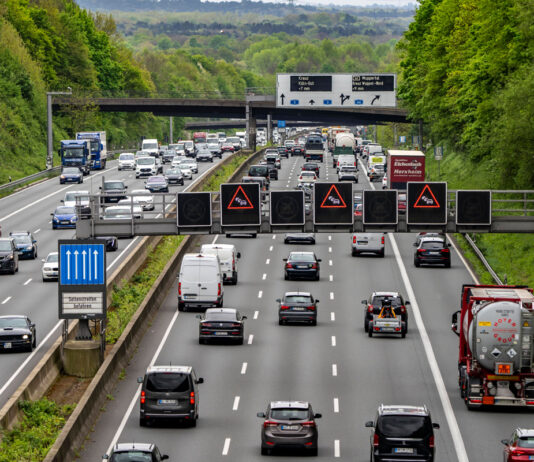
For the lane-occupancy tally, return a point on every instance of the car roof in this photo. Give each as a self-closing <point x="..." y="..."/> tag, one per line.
<point x="523" y="432"/>
<point x="145" y="447"/>
<point x="221" y="310"/>
<point x="298" y="252"/>
<point x="385" y="409"/>
<point x="14" y="233"/>
<point x="432" y="239"/>
<point x="389" y="294"/>
<point x="289" y="404"/>
<point x="289" y="294"/>
<point x="170" y="368"/>
<point x="14" y="316"/>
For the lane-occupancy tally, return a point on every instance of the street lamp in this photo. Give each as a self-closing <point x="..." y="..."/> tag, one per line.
<point x="50" y="153"/>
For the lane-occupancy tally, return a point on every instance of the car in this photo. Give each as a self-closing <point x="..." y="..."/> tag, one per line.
<point x="289" y="424"/>
<point x="17" y="332"/>
<point x="146" y="166"/>
<point x="25" y="243"/>
<point x="113" y="191"/>
<point x="297" y="150"/>
<point x="140" y="452"/>
<point x="424" y="234"/>
<point x="50" y="267"/>
<point x="174" y="175"/>
<point x="9" y="256"/>
<point x="299" y="238"/>
<point x="221" y="323"/>
<point x="273" y="159"/>
<point x="358" y="210"/>
<point x="520" y="446"/>
<point x="169" y="393"/>
<point x="283" y="151"/>
<point x="402" y="433"/>
<point x="311" y="167"/>
<point x="71" y="175"/>
<point x="297" y="307"/>
<point x="385" y="182"/>
<point x="432" y="251"/>
<point x="122" y="212"/>
<point x="126" y="161"/>
<point x="169" y="155"/>
<point x="260" y="170"/>
<point x="64" y="217"/>
<point x="204" y="155"/>
<point x="157" y="184"/>
<point x="190" y="164"/>
<point x="368" y="243"/>
<point x="347" y="173"/>
<point x="215" y="149"/>
<point x="177" y="160"/>
<point x="401" y="198"/>
<point x="307" y="177"/>
<point x="373" y="305"/>
<point x="112" y="242"/>
<point x="273" y="171"/>
<point x="73" y="198"/>
<point x="227" y="147"/>
<point x="143" y="198"/>
<point x="376" y="172"/>
<point x="302" y="265"/>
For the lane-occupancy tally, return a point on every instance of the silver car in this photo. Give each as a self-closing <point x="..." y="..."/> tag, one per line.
<point x="368" y="243"/>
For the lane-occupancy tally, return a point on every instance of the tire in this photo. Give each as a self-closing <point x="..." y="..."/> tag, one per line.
<point x="240" y="341"/>
<point x="370" y="331"/>
<point x="142" y="422"/>
<point x="314" y="322"/>
<point x="354" y="253"/>
<point x="286" y="276"/>
<point x="265" y="452"/>
<point x="382" y="253"/>
<point x="366" y="324"/>
<point x="403" y="334"/>
<point x="281" y="322"/>
<point x="416" y="263"/>
<point x="35" y="254"/>
<point x="14" y="270"/>
<point x="181" y="306"/>
<point x="227" y="235"/>
<point x="317" y="277"/>
<point x="313" y="452"/>
<point x="34" y="343"/>
<point x="220" y="304"/>
<point x="193" y="423"/>
<point x="448" y="264"/>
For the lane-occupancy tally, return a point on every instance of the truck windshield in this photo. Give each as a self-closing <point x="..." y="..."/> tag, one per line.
<point x="72" y="153"/>
<point x="95" y="146"/>
<point x="150" y="146"/>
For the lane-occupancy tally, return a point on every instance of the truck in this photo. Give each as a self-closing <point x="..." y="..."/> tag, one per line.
<point x="404" y="166"/>
<point x="200" y="137"/>
<point x="495" y="325"/>
<point x="314" y="148"/>
<point x="344" y="144"/>
<point x="76" y="153"/>
<point x="99" y="153"/>
<point x="151" y="147"/>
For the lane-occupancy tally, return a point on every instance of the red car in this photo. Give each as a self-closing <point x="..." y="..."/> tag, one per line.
<point x="402" y="202"/>
<point x="227" y="148"/>
<point x="358" y="210"/>
<point x="520" y="447"/>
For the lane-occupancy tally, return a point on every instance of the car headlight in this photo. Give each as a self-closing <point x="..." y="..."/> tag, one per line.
<point x="62" y="177"/>
<point x="73" y="220"/>
<point x="55" y="219"/>
<point x="10" y="257"/>
<point x="25" y="337"/>
<point x="29" y="247"/>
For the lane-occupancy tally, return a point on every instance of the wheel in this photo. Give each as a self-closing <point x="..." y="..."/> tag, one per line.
<point x="119" y="169"/>
<point x="313" y="452"/>
<point x="314" y="322"/>
<point x="317" y="276"/>
<point x="234" y="280"/>
<point x="366" y="324"/>
<point x="34" y="343"/>
<point x="227" y="235"/>
<point x="448" y="264"/>
<point x="265" y="451"/>
<point x="220" y="304"/>
<point x="142" y="422"/>
<point x="240" y="341"/>
<point x="416" y="263"/>
<point x="193" y="423"/>
<point x="35" y="254"/>
<point x="286" y="276"/>
<point x="181" y="306"/>
<point x="403" y="334"/>
<point x="381" y="254"/>
<point x="201" y="341"/>
<point x="354" y="253"/>
<point x="370" y="331"/>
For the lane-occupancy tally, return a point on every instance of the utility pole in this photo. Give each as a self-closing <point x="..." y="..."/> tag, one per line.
<point x="50" y="140"/>
<point x="170" y="130"/>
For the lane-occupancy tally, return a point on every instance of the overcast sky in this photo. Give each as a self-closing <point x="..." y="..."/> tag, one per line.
<point x="357" y="2"/>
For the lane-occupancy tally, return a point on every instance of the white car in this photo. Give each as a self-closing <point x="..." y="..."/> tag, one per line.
<point x="141" y="197"/>
<point x="186" y="172"/>
<point x="127" y="161"/>
<point x="177" y="160"/>
<point x="384" y="182"/>
<point x="72" y="196"/>
<point x="122" y="212"/>
<point x="50" y="268"/>
<point x="146" y="166"/>
<point x="190" y="164"/>
<point x="307" y="177"/>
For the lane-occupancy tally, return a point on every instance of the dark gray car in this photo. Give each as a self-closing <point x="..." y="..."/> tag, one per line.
<point x="289" y="425"/>
<point x="139" y="452"/>
<point x="17" y="333"/>
<point x="221" y="323"/>
<point x="297" y="307"/>
<point x="9" y="256"/>
<point x="174" y="176"/>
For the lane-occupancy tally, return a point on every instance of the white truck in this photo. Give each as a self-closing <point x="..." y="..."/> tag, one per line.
<point x="151" y="147"/>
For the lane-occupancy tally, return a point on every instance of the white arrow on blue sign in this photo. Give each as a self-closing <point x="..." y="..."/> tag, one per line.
<point x="82" y="264"/>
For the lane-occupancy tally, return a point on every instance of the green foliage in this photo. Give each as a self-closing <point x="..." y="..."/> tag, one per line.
<point x="222" y="174"/>
<point x="33" y="437"/>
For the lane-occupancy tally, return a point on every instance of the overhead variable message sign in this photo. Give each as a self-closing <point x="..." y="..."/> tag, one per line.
<point x="240" y="204"/>
<point x="335" y="90"/>
<point x="473" y="207"/>
<point x="82" y="279"/>
<point x="332" y="204"/>
<point x="426" y="203"/>
<point x="287" y="208"/>
<point x="193" y="209"/>
<point x="380" y="207"/>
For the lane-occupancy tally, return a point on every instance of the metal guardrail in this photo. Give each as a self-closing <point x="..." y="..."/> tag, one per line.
<point x="485" y="262"/>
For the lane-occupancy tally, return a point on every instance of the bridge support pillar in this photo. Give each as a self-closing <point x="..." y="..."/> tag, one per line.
<point x="269" y="128"/>
<point x="251" y="129"/>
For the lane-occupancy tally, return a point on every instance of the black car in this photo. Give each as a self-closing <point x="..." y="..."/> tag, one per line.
<point x="221" y="323"/>
<point x="142" y="452"/>
<point x="299" y="238"/>
<point x="9" y="256"/>
<point x="156" y="184"/>
<point x="283" y="151"/>
<point x="432" y="251"/>
<point x="302" y="265"/>
<point x="174" y="176"/>
<point x="71" y="175"/>
<point x="25" y="243"/>
<point x="17" y="332"/>
<point x="402" y="433"/>
<point x="273" y="171"/>
<point x="311" y="167"/>
<point x="113" y="191"/>
<point x="260" y="170"/>
<point x="112" y="242"/>
<point x="289" y="425"/>
<point x="375" y="302"/>
<point x="297" y="150"/>
<point x="297" y="307"/>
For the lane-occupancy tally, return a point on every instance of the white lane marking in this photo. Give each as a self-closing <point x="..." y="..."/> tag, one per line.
<point x="473" y="275"/>
<point x="331" y="278"/>
<point x="274" y="236"/>
<point x="256" y="314"/>
<point x="236" y="403"/>
<point x="332" y="316"/>
<point x="264" y="276"/>
<point x="29" y="358"/>
<point x="330" y="249"/>
<point x="334" y="370"/>
<point x="267" y="261"/>
<point x="260" y="294"/>
<point x="330" y="262"/>
<point x="336" y="405"/>
<point x="6" y="300"/>
<point x="122" y="253"/>
<point x="215" y="239"/>
<point x="331" y="295"/>
<point x="37" y="231"/>
<point x="244" y="368"/>
<point x="333" y="340"/>
<point x="138" y="392"/>
<point x="50" y="222"/>
<point x="459" y="446"/>
<point x="27" y="282"/>
<point x="250" y="339"/>
<point x="226" y="446"/>
<point x="329" y="238"/>
<point x="337" y="452"/>
<point x="271" y="248"/>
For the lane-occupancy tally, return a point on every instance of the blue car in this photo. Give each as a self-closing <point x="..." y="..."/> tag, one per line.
<point x="71" y="175"/>
<point x="25" y="243"/>
<point x="64" y="217"/>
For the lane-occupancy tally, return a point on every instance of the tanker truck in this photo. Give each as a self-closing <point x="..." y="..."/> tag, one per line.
<point x="496" y="362"/>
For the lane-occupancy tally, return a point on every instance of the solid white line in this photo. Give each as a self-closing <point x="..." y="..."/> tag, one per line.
<point x="27" y="282"/>
<point x="215" y="239"/>
<point x="226" y="447"/>
<point x="271" y="249"/>
<point x="334" y="370"/>
<point x="330" y="262"/>
<point x="236" y="403"/>
<point x="331" y="278"/>
<point x="333" y="340"/>
<point x="332" y="316"/>
<point x="6" y="300"/>
<point x="37" y="230"/>
<point x="331" y="295"/>
<point x="250" y="339"/>
<point x="260" y="293"/>
<point x="256" y="314"/>
<point x="122" y="253"/>
<point x="267" y="261"/>
<point x="29" y="358"/>
<point x="244" y="368"/>
<point x="336" y="405"/>
<point x="337" y="452"/>
<point x="459" y="446"/>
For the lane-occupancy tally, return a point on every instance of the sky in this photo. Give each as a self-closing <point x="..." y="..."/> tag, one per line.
<point x="356" y="2"/>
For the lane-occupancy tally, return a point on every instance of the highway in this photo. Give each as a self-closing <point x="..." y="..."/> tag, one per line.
<point x="25" y="293"/>
<point x="335" y="365"/>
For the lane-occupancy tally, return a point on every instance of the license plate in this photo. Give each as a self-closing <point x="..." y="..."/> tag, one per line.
<point x="221" y="333"/>
<point x="362" y="242"/>
<point x="433" y="253"/>
<point x="65" y="222"/>
<point x="7" y="345"/>
<point x="298" y="308"/>
<point x="403" y="450"/>
<point x="188" y="297"/>
<point x="302" y="266"/>
<point x="290" y="427"/>
<point x="167" y="401"/>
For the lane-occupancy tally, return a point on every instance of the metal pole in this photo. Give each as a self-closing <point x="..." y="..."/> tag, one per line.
<point x="395" y="138"/>
<point x="50" y="134"/>
<point x="269" y="128"/>
<point x="170" y="130"/>
<point x="247" y="125"/>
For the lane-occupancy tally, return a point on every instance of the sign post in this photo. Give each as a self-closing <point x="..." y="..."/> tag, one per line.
<point x="333" y="204"/>
<point x="426" y="203"/>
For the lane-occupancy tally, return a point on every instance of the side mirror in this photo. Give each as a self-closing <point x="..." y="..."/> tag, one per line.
<point x="105" y="457"/>
<point x="164" y="457"/>
<point x="43" y="260"/>
<point x="415" y="244"/>
<point x="505" y="442"/>
<point x="238" y="254"/>
<point x="139" y="379"/>
<point x="369" y="424"/>
<point x="198" y="316"/>
<point x="126" y="187"/>
<point x="454" y="326"/>
<point x="435" y="425"/>
<point x="52" y="214"/>
<point x="261" y="414"/>
<point x="279" y="300"/>
<point x="317" y="416"/>
<point x="319" y="259"/>
<point x="407" y="302"/>
<point x="62" y="201"/>
<point x="100" y="187"/>
<point x="284" y="259"/>
<point x="364" y="302"/>
<point x="244" y="317"/>
<point x="200" y="380"/>
<point x="32" y="324"/>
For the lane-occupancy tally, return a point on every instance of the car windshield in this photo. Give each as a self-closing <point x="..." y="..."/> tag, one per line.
<point x="302" y="257"/>
<point x="12" y="322"/>
<point x="65" y="211"/>
<point x="289" y="414"/>
<point x="71" y="197"/>
<point x="220" y="317"/>
<point x="114" y="185"/>
<point x="379" y="299"/>
<point x="526" y="442"/>
<point x="432" y="245"/>
<point x="5" y="246"/>
<point x="22" y="239"/>
<point x="168" y="382"/>
<point x="298" y="299"/>
<point x="213" y="145"/>
<point x="119" y="212"/>
<point x="146" y="161"/>
<point x="52" y="258"/>
<point x="172" y="171"/>
<point x="257" y="170"/>
<point x="404" y="426"/>
<point x="126" y="157"/>
<point x="71" y="171"/>
<point x="131" y="456"/>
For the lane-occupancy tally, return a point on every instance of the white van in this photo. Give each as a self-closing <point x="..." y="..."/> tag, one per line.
<point x="151" y="147"/>
<point x="346" y="160"/>
<point x="146" y="166"/>
<point x="200" y="282"/>
<point x="228" y="256"/>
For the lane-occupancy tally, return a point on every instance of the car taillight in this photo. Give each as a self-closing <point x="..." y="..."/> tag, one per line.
<point x="445" y="250"/>
<point x="311" y="307"/>
<point x="143" y="397"/>
<point x="403" y="309"/>
<point x="236" y="324"/>
<point x="370" y="308"/>
<point x="310" y="423"/>
<point x="431" y="442"/>
<point x="179" y="288"/>
<point x="218" y="289"/>
<point x="314" y="266"/>
<point x="382" y="240"/>
<point x="192" y="397"/>
<point x="269" y="423"/>
<point x="206" y="324"/>
<point x="289" y="265"/>
<point x="420" y="250"/>
<point x="375" y="440"/>
<point x="518" y="452"/>
<point x="354" y="239"/>
<point x="284" y="307"/>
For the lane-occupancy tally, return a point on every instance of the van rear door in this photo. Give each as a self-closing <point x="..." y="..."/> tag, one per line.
<point x="209" y="282"/>
<point x="190" y="282"/>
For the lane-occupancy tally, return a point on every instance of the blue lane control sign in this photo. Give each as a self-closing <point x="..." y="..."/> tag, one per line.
<point x="327" y="102"/>
<point x="294" y="102"/>
<point x="82" y="264"/>
<point x="358" y="101"/>
<point x="281" y="124"/>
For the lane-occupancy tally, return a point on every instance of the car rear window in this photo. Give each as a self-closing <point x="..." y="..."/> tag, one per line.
<point x="395" y="301"/>
<point x="404" y="426"/>
<point x="131" y="456"/>
<point x="114" y="185"/>
<point x="298" y="299"/>
<point x="168" y="382"/>
<point x="302" y="257"/>
<point x="289" y="414"/>
<point x="526" y="442"/>
<point x="258" y="170"/>
<point x="432" y="245"/>
<point x="220" y="317"/>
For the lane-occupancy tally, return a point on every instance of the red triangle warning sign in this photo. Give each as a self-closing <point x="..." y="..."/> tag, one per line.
<point x="426" y="199"/>
<point x="333" y="199"/>
<point x="240" y="200"/>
